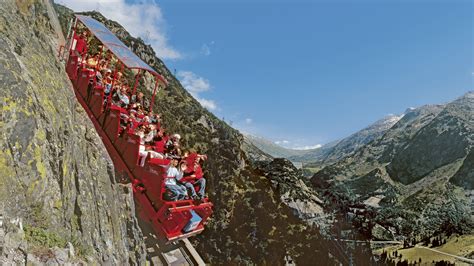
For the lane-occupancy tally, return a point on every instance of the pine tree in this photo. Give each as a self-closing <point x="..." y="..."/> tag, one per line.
<point x="426" y="241"/>
<point x="383" y="256"/>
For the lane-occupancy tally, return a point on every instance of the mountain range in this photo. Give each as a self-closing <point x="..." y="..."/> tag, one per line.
<point x="416" y="177"/>
<point x="329" y="152"/>
<point x="413" y="172"/>
<point x="336" y="150"/>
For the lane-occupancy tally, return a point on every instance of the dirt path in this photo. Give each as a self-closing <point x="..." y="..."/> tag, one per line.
<point x="371" y="241"/>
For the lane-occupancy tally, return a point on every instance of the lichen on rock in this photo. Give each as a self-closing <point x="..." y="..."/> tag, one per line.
<point x="61" y="187"/>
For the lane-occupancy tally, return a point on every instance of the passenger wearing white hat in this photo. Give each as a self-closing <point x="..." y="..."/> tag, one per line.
<point x="172" y="145"/>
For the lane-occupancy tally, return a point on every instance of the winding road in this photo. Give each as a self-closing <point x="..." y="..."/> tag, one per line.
<point x="418" y="246"/>
<point x="447" y="254"/>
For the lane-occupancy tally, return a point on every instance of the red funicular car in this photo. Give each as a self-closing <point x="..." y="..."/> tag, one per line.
<point x="171" y="219"/>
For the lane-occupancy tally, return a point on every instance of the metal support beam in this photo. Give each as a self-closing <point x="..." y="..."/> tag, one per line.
<point x="153" y="97"/>
<point x="193" y="252"/>
<point x="137" y="76"/>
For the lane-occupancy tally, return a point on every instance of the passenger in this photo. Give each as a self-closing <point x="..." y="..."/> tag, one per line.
<point x="150" y="133"/>
<point x="143" y="110"/>
<point x="108" y="55"/>
<point x="120" y="97"/>
<point x="185" y="155"/>
<point x="132" y="121"/>
<point x="125" y="119"/>
<point x="119" y="77"/>
<point x="171" y="143"/>
<point x="99" y="79"/>
<point x="146" y="121"/>
<point x="172" y="146"/>
<point x="192" y="178"/>
<point x="139" y="100"/>
<point x="140" y="110"/>
<point x="140" y="131"/>
<point x="102" y="50"/>
<point x="147" y="135"/>
<point x="102" y="65"/>
<point x="93" y="62"/>
<point x="165" y="136"/>
<point x="174" y="151"/>
<point x="172" y="174"/>
<point x="155" y="119"/>
<point x="194" y="157"/>
<point x="107" y="81"/>
<point x="134" y="107"/>
<point x="159" y="143"/>
<point x="80" y="47"/>
<point x="111" y="59"/>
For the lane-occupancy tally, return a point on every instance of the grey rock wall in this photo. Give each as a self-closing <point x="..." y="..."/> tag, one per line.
<point x="56" y="175"/>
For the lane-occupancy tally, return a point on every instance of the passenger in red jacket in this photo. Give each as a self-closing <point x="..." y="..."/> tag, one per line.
<point x="194" y="176"/>
<point x="193" y="157"/>
<point x="80" y="45"/>
<point x="159" y="145"/>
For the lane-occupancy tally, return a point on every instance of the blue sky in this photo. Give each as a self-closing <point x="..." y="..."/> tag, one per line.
<point x="308" y="72"/>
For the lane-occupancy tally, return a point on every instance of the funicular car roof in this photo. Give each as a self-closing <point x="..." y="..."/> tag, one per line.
<point x="117" y="47"/>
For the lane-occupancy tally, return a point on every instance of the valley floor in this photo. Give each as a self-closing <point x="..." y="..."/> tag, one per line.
<point x="458" y="249"/>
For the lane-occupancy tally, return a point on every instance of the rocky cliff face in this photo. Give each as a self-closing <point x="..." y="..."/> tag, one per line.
<point x="59" y="201"/>
<point x="295" y="191"/>
<point x="251" y="224"/>
<point x="254" y="153"/>
<point x="416" y="179"/>
<point x="447" y="138"/>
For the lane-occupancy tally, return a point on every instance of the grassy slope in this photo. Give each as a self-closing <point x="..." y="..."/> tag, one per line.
<point x="462" y="246"/>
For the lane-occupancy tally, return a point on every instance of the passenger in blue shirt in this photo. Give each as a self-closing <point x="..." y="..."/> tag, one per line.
<point x="173" y="174"/>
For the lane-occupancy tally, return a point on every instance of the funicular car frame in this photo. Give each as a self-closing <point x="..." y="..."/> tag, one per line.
<point x="170" y="219"/>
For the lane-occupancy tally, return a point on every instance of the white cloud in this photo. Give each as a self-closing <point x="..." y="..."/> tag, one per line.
<point x="206" y="48"/>
<point x="248" y="120"/>
<point x="293" y="145"/>
<point x="196" y="85"/>
<point x="193" y="83"/>
<point x="208" y="104"/>
<point x="143" y="19"/>
<point x="317" y="146"/>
